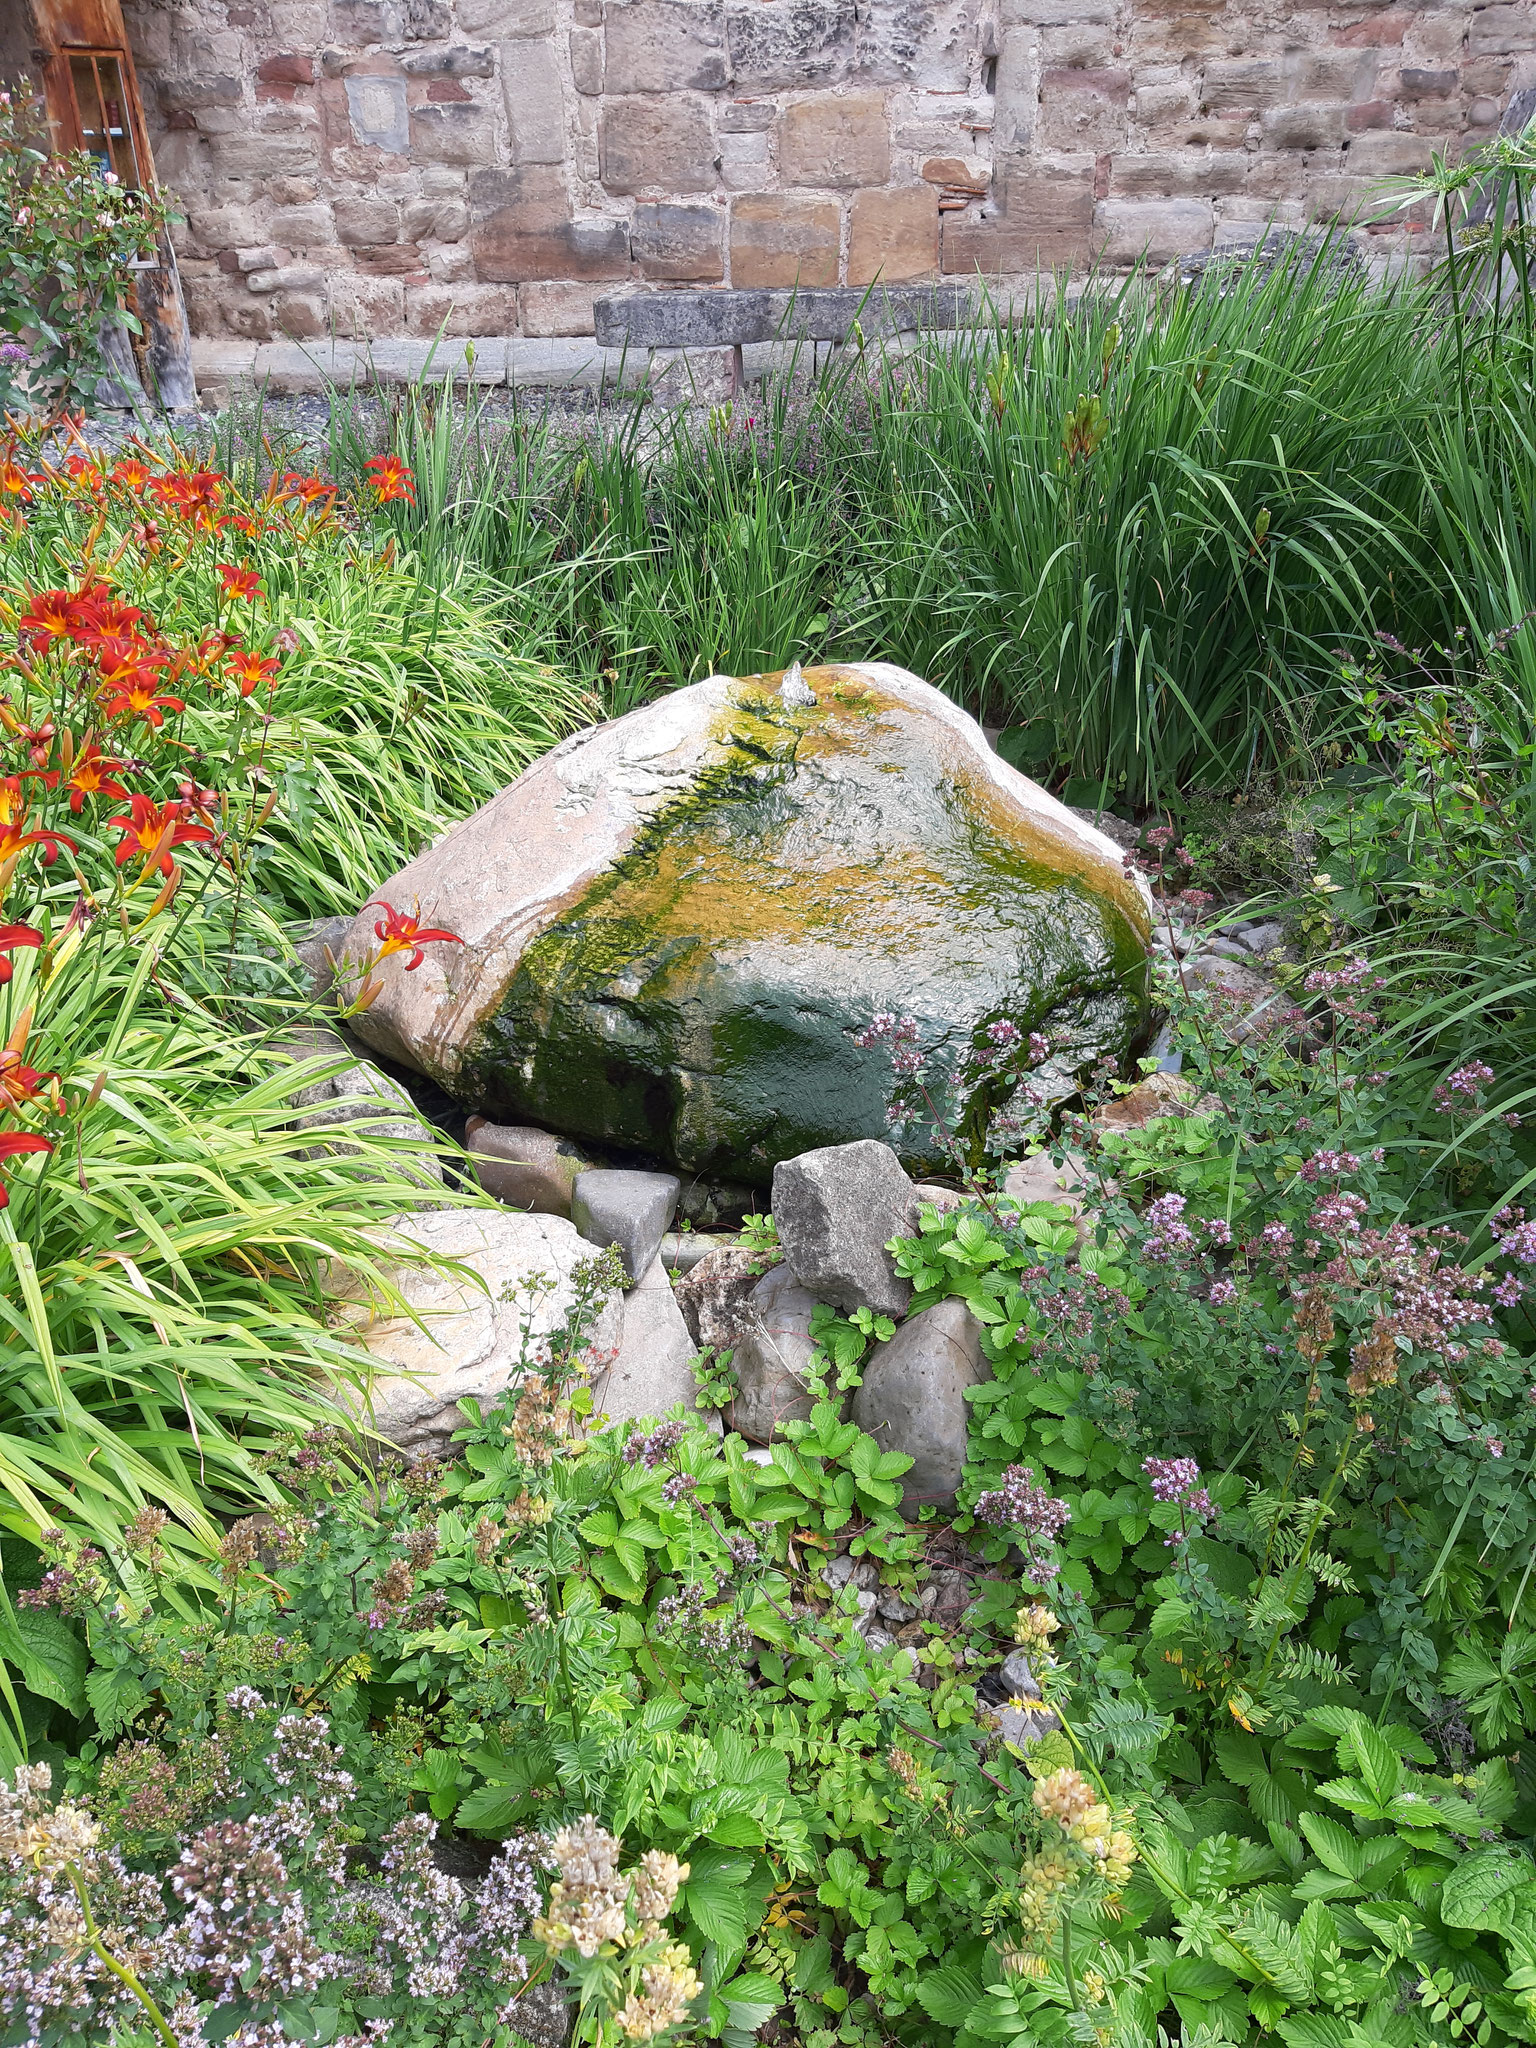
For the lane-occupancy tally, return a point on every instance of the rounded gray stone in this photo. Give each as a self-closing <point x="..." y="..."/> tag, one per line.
<point x="913" y="1399"/>
<point x="771" y="1357"/>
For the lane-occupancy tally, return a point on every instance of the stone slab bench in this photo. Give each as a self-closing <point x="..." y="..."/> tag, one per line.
<point x="732" y="319"/>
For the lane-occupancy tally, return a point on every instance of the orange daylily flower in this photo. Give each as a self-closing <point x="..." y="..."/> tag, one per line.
<point x="137" y="695"/>
<point x="151" y="830"/>
<point x="13" y="818"/>
<point x="250" y="671"/>
<point x="14" y="1142"/>
<point x="13" y="936"/>
<point x="133" y="476"/>
<point x="391" y="480"/>
<point x="15" y="483"/>
<point x="92" y="776"/>
<point x="243" y="583"/>
<point x="399" y="932"/>
<point x="309" y="490"/>
<point x="192" y="495"/>
<point x="50" y="617"/>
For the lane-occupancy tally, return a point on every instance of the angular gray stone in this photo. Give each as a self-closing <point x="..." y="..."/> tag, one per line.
<point x="913" y="1399"/>
<point x="653" y="1369"/>
<point x="359" y="1101"/>
<point x="835" y="1209"/>
<point x="464" y="1337"/>
<point x="1024" y="1725"/>
<point x="1263" y="938"/>
<point x="770" y="1357"/>
<point x="523" y="1167"/>
<point x="1017" y="1676"/>
<point x="728" y="318"/>
<point x="682" y="1250"/>
<point x="713" y="1296"/>
<point x="623" y="1206"/>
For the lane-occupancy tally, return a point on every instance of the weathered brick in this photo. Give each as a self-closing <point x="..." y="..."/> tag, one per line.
<point x="1178" y="173"/>
<point x="287" y="67"/>
<point x="913" y="42"/>
<point x="458" y="60"/>
<point x="664" y="45"/>
<point x="1154" y="230"/>
<point x="745" y="117"/>
<point x="679" y="244"/>
<point x="655" y="144"/>
<point x="530" y="84"/>
<point x="505" y="17"/>
<point x="1083" y="109"/>
<point x="841" y="140"/>
<point x="780" y="238"/>
<point x="893" y="235"/>
<point x="789" y="42"/>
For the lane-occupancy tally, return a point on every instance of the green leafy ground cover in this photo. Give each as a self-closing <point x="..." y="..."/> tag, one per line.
<point x="1249" y="1486"/>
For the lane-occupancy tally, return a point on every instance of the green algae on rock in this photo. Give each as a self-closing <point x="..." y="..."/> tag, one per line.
<point x="674" y="924"/>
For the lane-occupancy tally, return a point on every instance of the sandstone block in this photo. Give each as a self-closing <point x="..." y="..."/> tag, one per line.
<point x="746" y="117"/>
<point x="304" y="227"/>
<point x="907" y="42"/>
<point x="1047" y="223"/>
<point x="1385" y="154"/>
<point x="525" y="1168"/>
<point x="957" y="174"/>
<point x="364" y="221"/>
<point x="587" y="61"/>
<point x="521" y="228"/>
<point x="651" y="144"/>
<point x="1307" y="126"/>
<point x="556" y="308"/>
<point x="506" y="17"/>
<point x="912" y="1399"/>
<point x="300" y="315"/>
<point x="1081" y="110"/>
<point x="836" y="141"/>
<point x="893" y="235"/>
<point x="776" y="43"/>
<point x="242" y="261"/>
<point x="743" y="162"/>
<point x="664" y="46"/>
<point x="434" y="220"/>
<point x="376" y="109"/>
<point x="1167" y="174"/>
<point x="1245" y="82"/>
<point x="459" y="311"/>
<point x="458" y="60"/>
<point x="452" y="135"/>
<point x="530" y="85"/>
<point x="679" y="244"/>
<point x="779" y="239"/>
<point x="835" y="1208"/>
<point x="1501" y="30"/>
<point x="225" y="227"/>
<point x="289" y="277"/>
<point x="1154" y="230"/>
<point x="243" y="158"/>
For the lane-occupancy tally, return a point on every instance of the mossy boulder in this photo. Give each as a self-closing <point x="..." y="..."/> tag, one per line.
<point x="673" y="924"/>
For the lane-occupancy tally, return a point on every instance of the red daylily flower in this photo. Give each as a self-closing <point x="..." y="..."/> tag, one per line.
<point x="13" y="819"/>
<point x="12" y="1143"/>
<point x="15" y="483"/>
<point x="152" y="830"/>
<point x="51" y="617"/>
<point x="13" y="936"/>
<point x="107" y="618"/>
<point x="398" y="932"/>
<point x="21" y="1084"/>
<point x="192" y="495"/>
<point x="137" y="696"/>
<point x="133" y="476"/>
<point x="92" y="776"/>
<point x="120" y="659"/>
<point x="250" y="671"/>
<point x="391" y="480"/>
<point x="243" y="583"/>
<point x="200" y="802"/>
<point x="38" y="741"/>
<point x="309" y="490"/>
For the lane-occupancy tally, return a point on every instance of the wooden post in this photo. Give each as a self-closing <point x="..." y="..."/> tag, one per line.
<point x="92" y="96"/>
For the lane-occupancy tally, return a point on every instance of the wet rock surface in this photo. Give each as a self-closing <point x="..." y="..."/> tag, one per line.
<point x="674" y="924"/>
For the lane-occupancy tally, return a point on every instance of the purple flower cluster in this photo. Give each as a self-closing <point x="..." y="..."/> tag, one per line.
<point x="1168" y="1235"/>
<point x="1020" y="1504"/>
<point x="1516" y="1236"/>
<point x="1330" y="1166"/>
<point x="657" y="1447"/>
<point x="1468" y="1081"/>
<point x="1176" y="1480"/>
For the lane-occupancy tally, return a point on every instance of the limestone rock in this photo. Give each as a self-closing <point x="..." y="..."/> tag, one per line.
<point x="654" y="1367"/>
<point x="469" y="1340"/>
<point x="630" y="1209"/>
<point x="525" y="1168"/>
<point x="361" y="1101"/>
<point x="713" y="1296"/>
<point x="836" y="1208"/>
<point x="1157" y="1096"/>
<point x="1039" y="1179"/>
<point x="770" y="1358"/>
<point x="913" y="1399"/>
<point x="675" y="923"/>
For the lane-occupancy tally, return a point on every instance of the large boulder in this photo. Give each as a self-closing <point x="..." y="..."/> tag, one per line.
<point x="673" y="924"/>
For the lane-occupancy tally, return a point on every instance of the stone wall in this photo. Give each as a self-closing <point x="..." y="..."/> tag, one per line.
<point x="389" y="167"/>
